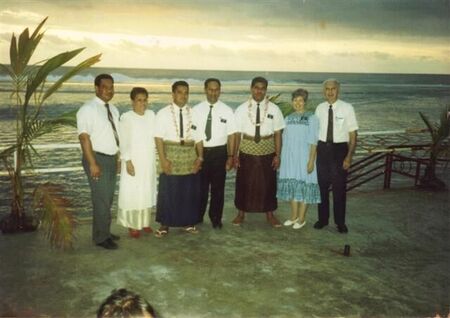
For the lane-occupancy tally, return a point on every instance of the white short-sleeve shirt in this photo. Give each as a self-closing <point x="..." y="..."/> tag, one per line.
<point x="344" y="120"/>
<point x="223" y="122"/>
<point x="168" y="124"/>
<point x="92" y="119"/>
<point x="271" y="118"/>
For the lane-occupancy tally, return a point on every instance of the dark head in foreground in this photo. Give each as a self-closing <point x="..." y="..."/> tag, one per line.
<point x="124" y="303"/>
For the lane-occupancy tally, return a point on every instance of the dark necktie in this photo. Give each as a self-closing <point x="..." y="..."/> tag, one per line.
<point x="257" y="128"/>
<point x="181" y="127"/>
<point x="208" y="124"/>
<point x="330" y="125"/>
<point x="110" y="118"/>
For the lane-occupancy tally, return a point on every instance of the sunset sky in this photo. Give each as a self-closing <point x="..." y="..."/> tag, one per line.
<point x="389" y="36"/>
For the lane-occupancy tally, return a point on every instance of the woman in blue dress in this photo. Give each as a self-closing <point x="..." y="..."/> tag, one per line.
<point x="297" y="181"/>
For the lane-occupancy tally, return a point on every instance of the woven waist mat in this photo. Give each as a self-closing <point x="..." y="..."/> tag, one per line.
<point x="181" y="156"/>
<point x="262" y="148"/>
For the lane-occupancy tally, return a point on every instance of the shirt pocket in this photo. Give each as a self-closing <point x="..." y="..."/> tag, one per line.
<point x="339" y="121"/>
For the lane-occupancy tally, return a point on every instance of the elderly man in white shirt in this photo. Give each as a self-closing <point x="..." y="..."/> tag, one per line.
<point x="216" y="119"/>
<point x="337" y="143"/>
<point x="180" y="150"/>
<point x="97" y="124"/>
<point x="259" y="124"/>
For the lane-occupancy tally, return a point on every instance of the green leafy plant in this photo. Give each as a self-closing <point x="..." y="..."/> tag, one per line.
<point x="30" y="89"/>
<point x="285" y="107"/>
<point x="50" y="208"/>
<point x="439" y="133"/>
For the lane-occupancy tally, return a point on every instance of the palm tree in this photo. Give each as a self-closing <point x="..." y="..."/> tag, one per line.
<point x="30" y="90"/>
<point x="439" y="133"/>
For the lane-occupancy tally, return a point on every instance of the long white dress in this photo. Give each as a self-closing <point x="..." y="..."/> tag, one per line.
<point x="137" y="194"/>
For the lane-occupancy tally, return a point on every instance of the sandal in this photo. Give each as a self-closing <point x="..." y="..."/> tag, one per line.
<point x="273" y="221"/>
<point x="148" y="230"/>
<point x="134" y="233"/>
<point x="191" y="230"/>
<point x="161" y="233"/>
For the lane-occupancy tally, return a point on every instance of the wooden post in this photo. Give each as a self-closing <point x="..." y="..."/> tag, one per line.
<point x="387" y="171"/>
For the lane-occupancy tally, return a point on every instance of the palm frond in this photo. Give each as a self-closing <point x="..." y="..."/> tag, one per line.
<point x="35" y="128"/>
<point x="285" y="107"/>
<point x="26" y="47"/>
<point x="7" y="152"/>
<point x="49" y="66"/>
<point x="274" y="98"/>
<point x="73" y="71"/>
<point x="67" y="119"/>
<point x="8" y="70"/>
<point x="13" y="56"/>
<point x="52" y="209"/>
<point x="22" y="49"/>
<point x="429" y="125"/>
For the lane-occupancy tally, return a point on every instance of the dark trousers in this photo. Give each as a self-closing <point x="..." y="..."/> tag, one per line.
<point x="213" y="175"/>
<point x="330" y="157"/>
<point x="102" y="195"/>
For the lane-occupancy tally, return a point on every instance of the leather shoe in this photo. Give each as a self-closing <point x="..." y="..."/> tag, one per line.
<point x="114" y="237"/>
<point x="108" y="244"/>
<point x="217" y="225"/>
<point x="319" y="225"/>
<point x="342" y="228"/>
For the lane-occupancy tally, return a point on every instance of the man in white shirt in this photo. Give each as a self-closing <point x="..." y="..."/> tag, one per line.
<point x="337" y="143"/>
<point x="216" y="119"/>
<point x="97" y="124"/>
<point x="180" y="151"/>
<point x="259" y="123"/>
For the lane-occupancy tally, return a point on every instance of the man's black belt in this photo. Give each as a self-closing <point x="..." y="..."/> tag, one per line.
<point x="332" y="143"/>
<point x="212" y="148"/>
<point x="103" y="154"/>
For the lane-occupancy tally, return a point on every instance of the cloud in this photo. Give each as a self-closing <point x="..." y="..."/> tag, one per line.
<point x="243" y="34"/>
<point x="24" y="16"/>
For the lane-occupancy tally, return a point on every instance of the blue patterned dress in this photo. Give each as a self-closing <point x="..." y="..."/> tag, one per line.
<point x="294" y="182"/>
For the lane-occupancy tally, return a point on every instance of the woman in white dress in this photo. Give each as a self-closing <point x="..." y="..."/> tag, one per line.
<point x="137" y="194"/>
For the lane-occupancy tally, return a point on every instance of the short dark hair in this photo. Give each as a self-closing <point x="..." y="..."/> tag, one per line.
<point x="259" y="79"/>
<point x="179" y="83"/>
<point x="300" y="92"/>
<point x="138" y="90"/>
<point x="101" y="77"/>
<point x="212" y="79"/>
<point x="124" y="303"/>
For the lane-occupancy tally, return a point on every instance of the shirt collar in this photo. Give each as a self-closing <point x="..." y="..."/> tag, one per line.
<point x="178" y="107"/>
<point x="335" y="104"/>
<point x="100" y="101"/>
<point x="209" y="104"/>
<point x="254" y="102"/>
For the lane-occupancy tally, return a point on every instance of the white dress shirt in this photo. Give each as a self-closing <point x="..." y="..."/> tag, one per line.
<point x="344" y="120"/>
<point x="222" y="125"/>
<point x="168" y="124"/>
<point x="271" y="120"/>
<point x="92" y="119"/>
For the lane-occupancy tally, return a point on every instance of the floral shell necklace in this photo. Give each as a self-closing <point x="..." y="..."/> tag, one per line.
<point x="266" y="108"/>
<point x="177" y="129"/>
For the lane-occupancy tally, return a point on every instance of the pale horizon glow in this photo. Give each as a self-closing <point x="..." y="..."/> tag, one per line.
<point x="286" y="35"/>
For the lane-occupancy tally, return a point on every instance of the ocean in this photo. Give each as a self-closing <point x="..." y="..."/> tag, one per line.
<point x="381" y="102"/>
